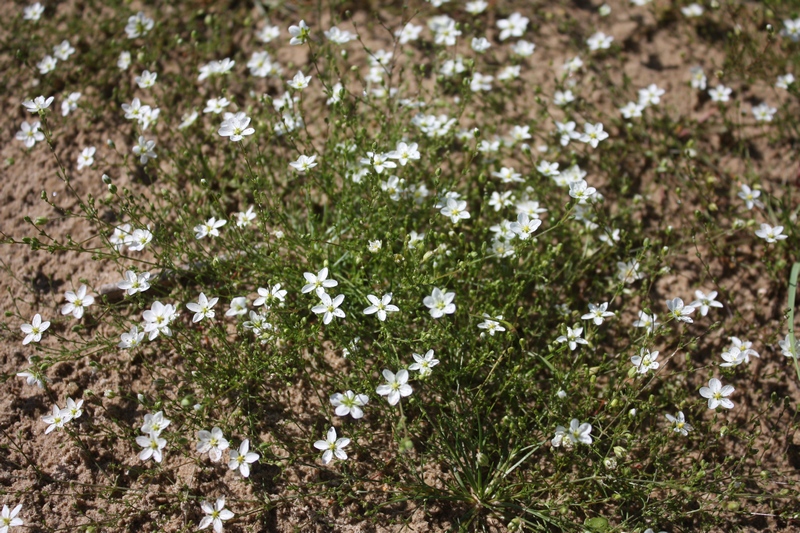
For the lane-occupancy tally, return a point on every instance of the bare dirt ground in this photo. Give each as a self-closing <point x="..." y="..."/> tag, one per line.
<point x="62" y="486"/>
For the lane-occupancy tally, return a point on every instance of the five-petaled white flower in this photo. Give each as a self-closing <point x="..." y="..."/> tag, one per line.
<point x="86" y="157"/>
<point x="593" y="134"/>
<point x="704" y="301"/>
<point x="158" y="318"/>
<point x="573" y="338"/>
<point x="349" y="403"/>
<point x="145" y="150"/>
<point x="581" y="191"/>
<point x="598" y="313"/>
<point x="211" y="442"/>
<point x="56" y="420"/>
<point x="679" y="423"/>
<point x="76" y="302"/>
<point x="328" y="307"/>
<point x="203" y="308"/>
<point x="649" y="322"/>
<point x="455" y="209"/>
<point x="577" y="433"/>
<point x="318" y="281"/>
<point x="679" y="311"/>
<point x="332" y="447"/>
<point x="40" y="103"/>
<point x="381" y="306"/>
<point x="491" y="326"/>
<point x="440" y="303"/>
<point x="396" y="386"/>
<point x="423" y="363"/>
<point x="304" y="163"/>
<point x="215" y="515"/>
<point x="300" y="81"/>
<point x="33" y="331"/>
<point x="8" y="518"/>
<point x="242" y="458"/>
<point x="236" y="126"/>
<point x="717" y="394"/>
<point x="645" y="361"/>
<point x="134" y="282"/>
<point x="209" y="227"/>
<point x="525" y="226"/>
<point x="152" y="445"/>
<point x="771" y="234"/>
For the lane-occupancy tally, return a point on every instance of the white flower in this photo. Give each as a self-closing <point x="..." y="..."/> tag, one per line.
<point x="750" y="197"/>
<point x="215" y="515"/>
<point x="396" y="386"/>
<point x="409" y="32"/>
<point x="597" y="313"/>
<point x="304" y="163"/>
<point x="581" y="191"/>
<point x="440" y="303"/>
<point x="573" y="338"/>
<point x="300" y="81"/>
<point x="243" y="218"/>
<point x="679" y="311"/>
<point x="679" y="424"/>
<point x="32" y="12"/>
<point x="318" y="281"/>
<point x="525" y="226"/>
<point x="299" y="33"/>
<point x="152" y="444"/>
<point x="70" y="103"/>
<point x="631" y="110"/>
<point x="698" y="78"/>
<point x="717" y="394"/>
<point x="337" y="36"/>
<point x="593" y="134"/>
<point x="720" y="93"/>
<point x="209" y="227"/>
<point x="692" y="10"/>
<point x="76" y="302"/>
<point x="771" y="234"/>
<point x="203" y="308"/>
<point x="146" y="80"/>
<point x="86" y="157"/>
<point x="651" y="323"/>
<point x="650" y="95"/>
<point x="763" y="112"/>
<point x="236" y="126"/>
<point x="211" y="442"/>
<point x="138" y="25"/>
<point x="158" y="318"/>
<point x="645" y="361"/>
<point x="599" y="41"/>
<point x="33" y="331"/>
<point x="784" y="81"/>
<point x="523" y="48"/>
<point x="577" y="433"/>
<point x="268" y="33"/>
<point x="40" y="103"/>
<point x="332" y="447"/>
<point x="241" y="459"/>
<point x="57" y="419"/>
<point x="480" y="44"/>
<point x="456" y="210"/>
<point x="788" y="349"/>
<point x="130" y="339"/>
<point x="124" y="60"/>
<point x="423" y="364"/>
<point x="573" y="65"/>
<point x="491" y="326"/>
<point x="238" y="307"/>
<point x="513" y="26"/>
<point x="8" y="518"/>
<point x="328" y="307"/>
<point x="267" y="296"/>
<point x="47" y="64"/>
<point x="30" y="134"/>
<point x="381" y="306"/>
<point x="562" y="98"/>
<point x="144" y="149"/>
<point x="155" y="423"/>
<point x="629" y="272"/>
<point x="704" y="301"/>
<point x="349" y="403"/>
